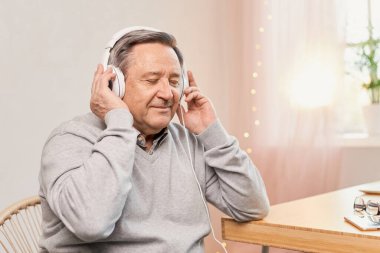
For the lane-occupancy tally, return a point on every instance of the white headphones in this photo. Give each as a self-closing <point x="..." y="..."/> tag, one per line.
<point x="118" y="85"/>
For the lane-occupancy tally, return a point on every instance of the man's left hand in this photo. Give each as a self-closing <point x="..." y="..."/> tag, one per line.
<point x="200" y="113"/>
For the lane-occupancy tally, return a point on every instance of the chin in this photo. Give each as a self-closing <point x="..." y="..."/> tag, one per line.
<point x="159" y="119"/>
<point x="161" y="123"/>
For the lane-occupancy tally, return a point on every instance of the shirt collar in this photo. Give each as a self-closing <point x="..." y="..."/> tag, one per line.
<point x="157" y="140"/>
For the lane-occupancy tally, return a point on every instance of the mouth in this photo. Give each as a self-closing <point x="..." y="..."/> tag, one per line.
<point x="162" y="108"/>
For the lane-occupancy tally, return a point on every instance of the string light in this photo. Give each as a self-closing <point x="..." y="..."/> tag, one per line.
<point x="259" y="63"/>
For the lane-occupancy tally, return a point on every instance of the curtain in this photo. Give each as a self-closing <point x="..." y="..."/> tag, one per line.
<point x="284" y="109"/>
<point x="292" y="77"/>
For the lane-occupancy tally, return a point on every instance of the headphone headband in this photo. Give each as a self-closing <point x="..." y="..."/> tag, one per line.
<point x="117" y="36"/>
<point x="124" y="31"/>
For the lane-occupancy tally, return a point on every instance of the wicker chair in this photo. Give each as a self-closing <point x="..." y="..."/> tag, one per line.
<point x="20" y="226"/>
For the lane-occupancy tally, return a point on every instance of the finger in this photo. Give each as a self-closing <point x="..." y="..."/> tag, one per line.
<point x="180" y="111"/>
<point x="190" y="90"/>
<point x="192" y="82"/>
<point x="106" y="77"/>
<point x="108" y="69"/>
<point x="97" y="74"/>
<point x="194" y="96"/>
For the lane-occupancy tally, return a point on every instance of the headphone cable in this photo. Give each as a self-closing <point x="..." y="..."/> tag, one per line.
<point x="196" y="179"/>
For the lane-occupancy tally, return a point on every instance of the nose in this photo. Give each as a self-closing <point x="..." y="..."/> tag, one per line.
<point x="165" y="90"/>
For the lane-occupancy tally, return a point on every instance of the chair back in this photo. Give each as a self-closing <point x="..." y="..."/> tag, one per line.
<point x="20" y="226"/>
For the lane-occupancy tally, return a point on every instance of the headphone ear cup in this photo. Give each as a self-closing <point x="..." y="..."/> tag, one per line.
<point x="118" y="85"/>
<point x="185" y="81"/>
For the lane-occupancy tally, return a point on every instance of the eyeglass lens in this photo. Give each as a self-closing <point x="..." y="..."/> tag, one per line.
<point x="372" y="207"/>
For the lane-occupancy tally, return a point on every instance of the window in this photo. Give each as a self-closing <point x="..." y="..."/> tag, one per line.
<point x="353" y="96"/>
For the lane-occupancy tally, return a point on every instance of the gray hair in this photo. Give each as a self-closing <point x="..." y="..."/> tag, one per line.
<point x="119" y="55"/>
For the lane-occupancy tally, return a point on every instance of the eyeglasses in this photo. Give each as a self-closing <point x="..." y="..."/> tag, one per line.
<point x="371" y="209"/>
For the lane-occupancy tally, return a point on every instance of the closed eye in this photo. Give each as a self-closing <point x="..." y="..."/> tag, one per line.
<point x="174" y="83"/>
<point x="152" y="81"/>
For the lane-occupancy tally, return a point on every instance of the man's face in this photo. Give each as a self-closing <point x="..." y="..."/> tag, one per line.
<point x="152" y="91"/>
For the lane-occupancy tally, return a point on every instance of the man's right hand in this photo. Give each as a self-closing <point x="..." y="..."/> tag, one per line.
<point x="103" y="99"/>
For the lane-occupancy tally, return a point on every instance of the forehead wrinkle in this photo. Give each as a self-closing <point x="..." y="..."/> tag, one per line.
<point x="154" y="64"/>
<point x="152" y="73"/>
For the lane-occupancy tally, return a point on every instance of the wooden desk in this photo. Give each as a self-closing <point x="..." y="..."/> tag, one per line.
<point x="314" y="224"/>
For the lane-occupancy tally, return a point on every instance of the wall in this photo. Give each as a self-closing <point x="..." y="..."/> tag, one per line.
<point x="359" y="165"/>
<point x="50" y="50"/>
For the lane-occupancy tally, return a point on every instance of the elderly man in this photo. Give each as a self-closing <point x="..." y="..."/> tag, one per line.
<point x="123" y="178"/>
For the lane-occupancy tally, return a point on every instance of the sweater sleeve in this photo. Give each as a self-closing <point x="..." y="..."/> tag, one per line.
<point x="86" y="184"/>
<point x="233" y="183"/>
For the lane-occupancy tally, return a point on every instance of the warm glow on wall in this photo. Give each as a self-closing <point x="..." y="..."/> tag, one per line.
<point x="313" y="85"/>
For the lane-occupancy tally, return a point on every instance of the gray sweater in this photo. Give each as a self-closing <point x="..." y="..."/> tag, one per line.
<point x="100" y="192"/>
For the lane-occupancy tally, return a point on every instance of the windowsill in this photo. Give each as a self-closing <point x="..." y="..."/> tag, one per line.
<point x="358" y="140"/>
